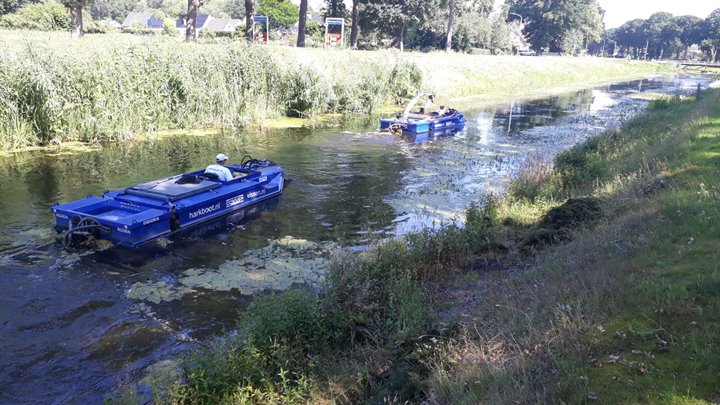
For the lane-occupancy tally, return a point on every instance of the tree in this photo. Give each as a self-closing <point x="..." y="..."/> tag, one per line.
<point x="451" y="17"/>
<point x="652" y="28"/>
<point x="394" y="17"/>
<point x="631" y="36"/>
<point x="552" y="24"/>
<point x="335" y="8"/>
<point x="689" y="24"/>
<point x="111" y="9"/>
<point x="249" y="13"/>
<point x="191" y="19"/>
<point x="302" y="19"/>
<point x="500" y="35"/>
<point x="474" y="26"/>
<point x="76" y="16"/>
<point x="355" y="23"/>
<point x="669" y="40"/>
<point x="710" y="29"/>
<point x="282" y="13"/>
<point x="10" y="6"/>
<point x="235" y="8"/>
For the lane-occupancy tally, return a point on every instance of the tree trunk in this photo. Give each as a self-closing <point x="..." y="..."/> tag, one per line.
<point x="191" y="20"/>
<point x="76" y="21"/>
<point x="451" y="18"/>
<point x="402" y="37"/>
<point x="249" y="14"/>
<point x="355" y="22"/>
<point x="301" y="23"/>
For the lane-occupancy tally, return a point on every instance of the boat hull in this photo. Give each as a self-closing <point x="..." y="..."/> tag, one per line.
<point x="421" y="123"/>
<point x="139" y="214"/>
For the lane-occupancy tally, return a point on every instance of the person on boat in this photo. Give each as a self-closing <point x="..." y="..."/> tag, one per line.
<point x="441" y="111"/>
<point x="219" y="169"/>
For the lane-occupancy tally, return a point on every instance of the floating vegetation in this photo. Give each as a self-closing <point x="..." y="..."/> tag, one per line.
<point x="278" y="266"/>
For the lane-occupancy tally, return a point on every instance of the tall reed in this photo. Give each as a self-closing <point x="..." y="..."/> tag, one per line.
<point x="101" y="92"/>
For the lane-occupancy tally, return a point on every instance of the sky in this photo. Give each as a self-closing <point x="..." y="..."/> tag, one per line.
<point x="618" y="12"/>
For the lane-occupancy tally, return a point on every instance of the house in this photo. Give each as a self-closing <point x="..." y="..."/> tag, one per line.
<point x="201" y="22"/>
<point x="222" y="24"/>
<point x="142" y="20"/>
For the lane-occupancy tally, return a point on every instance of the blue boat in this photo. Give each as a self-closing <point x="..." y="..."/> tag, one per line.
<point x="144" y="212"/>
<point x="423" y="121"/>
<point x="431" y="136"/>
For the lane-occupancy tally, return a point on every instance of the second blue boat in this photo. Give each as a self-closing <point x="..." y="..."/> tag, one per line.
<point x="411" y="122"/>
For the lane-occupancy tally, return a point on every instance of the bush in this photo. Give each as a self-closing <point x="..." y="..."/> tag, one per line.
<point x="291" y="320"/>
<point x="305" y="92"/>
<point x="375" y="298"/>
<point x="49" y="16"/>
<point x="169" y="29"/>
<point x="405" y="81"/>
<point x="668" y="103"/>
<point x="229" y="371"/>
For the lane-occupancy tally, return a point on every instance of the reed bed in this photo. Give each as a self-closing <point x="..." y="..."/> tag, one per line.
<point x="112" y="87"/>
<point x="96" y="91"/>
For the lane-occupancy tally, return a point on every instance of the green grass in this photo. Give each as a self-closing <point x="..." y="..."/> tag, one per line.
<point x="627" y="311"/>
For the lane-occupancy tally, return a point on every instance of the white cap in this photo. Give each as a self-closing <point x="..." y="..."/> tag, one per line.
<point x="221" y="157"/>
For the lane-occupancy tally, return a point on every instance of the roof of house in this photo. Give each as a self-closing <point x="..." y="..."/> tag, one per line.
<point x="147" y="20"/>
<point x="223" y="24"/>
<point x="200" y="22"/>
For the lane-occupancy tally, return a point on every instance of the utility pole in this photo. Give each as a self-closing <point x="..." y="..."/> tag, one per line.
<point x="522" y="26"/>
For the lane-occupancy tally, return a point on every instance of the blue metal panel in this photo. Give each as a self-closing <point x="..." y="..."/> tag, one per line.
<point x="417" y="124"/>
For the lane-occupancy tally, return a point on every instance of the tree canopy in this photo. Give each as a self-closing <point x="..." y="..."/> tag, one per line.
<point x="282" y="13"/>
<point x="561" y="25"/>
<point x="663" y="35"/>
<point x="710" y="35"/>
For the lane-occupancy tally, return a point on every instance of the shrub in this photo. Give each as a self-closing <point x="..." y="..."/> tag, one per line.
<point x="667" y="103"/>
<point x="47" y="16"/>
<point x="229" y="371"/>
<point x="404" y="82"/>
<point x="376" y="299"/>
<point x="305" y="92"/>
<point x="291" y="320"/>
<point x="169" y="29"/>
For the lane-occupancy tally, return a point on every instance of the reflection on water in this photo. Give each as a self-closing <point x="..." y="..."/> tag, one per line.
<point x="74" y="325"/>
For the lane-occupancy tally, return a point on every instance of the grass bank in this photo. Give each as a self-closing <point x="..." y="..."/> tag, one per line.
<point x="612" y="293"/>
<point x="113" y="87"/>
<point x="594" y="279"/>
